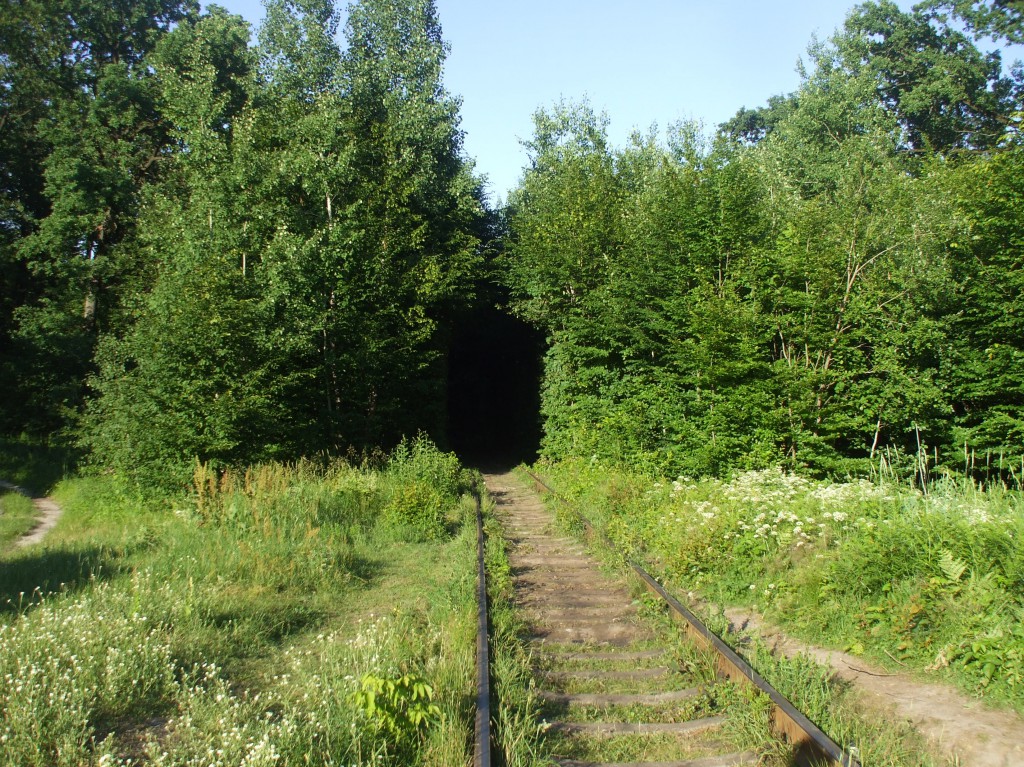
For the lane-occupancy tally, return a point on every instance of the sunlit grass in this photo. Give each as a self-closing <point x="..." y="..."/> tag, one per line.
<point x="17" y="516"/>
<point x="232" y="626"/>
<point x="933" y="579"/>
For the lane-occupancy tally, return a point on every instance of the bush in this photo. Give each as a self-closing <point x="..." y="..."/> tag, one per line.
<point x="420" y="460"/>
<point x="415" y="511"/>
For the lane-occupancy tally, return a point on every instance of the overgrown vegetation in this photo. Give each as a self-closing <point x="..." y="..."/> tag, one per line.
<point x="931" y="580"/>
<point x="838" y="708"/>
<point x="224" y="251"/>
<point x="219" y="253"/>
<point x="273" y="617"/>
<point x="35" y="465"/>
<point x="830" y="276"/>
<point x="17" y="516"/>
<point x="257" y="252"/>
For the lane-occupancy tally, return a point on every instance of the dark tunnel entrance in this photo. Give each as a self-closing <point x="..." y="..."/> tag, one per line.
<point x="494" y="372"/>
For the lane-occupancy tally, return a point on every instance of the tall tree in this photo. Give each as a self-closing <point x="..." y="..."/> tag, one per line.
<point x="1001" y="19"/>
<point x="943" y="91"/>
<point x="413" y="210"/>
<point x="314" y="224"/>
<point x="912" y="73"/>
<point x="193" y="375"/>
<point x="79" y="137"/>
<point x="984" y="361"/>
<point x="565" y="242"/>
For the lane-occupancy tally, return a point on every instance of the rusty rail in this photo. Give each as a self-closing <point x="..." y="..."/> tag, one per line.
<point x="811" y="744"/>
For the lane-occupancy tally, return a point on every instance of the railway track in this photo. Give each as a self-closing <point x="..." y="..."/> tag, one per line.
<point x="613" y="691"/>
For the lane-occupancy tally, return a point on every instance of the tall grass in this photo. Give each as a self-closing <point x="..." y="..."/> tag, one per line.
<point x="234" y="626"/>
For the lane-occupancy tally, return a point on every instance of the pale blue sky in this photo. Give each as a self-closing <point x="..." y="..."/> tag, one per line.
<point x="642" y="62"/>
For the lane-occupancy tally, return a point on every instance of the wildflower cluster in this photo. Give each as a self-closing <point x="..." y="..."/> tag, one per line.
<point x="757" y="513"/>
<point x="127" y="669"/>
<point x="73" y="661"/>
<point x="215" y="727"/>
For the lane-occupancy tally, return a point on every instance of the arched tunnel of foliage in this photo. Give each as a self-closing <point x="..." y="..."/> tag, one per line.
<point x="231" y="250"/>
<point x="494" y="375"/>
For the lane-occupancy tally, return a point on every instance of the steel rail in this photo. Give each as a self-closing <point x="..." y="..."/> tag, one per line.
<point x="811" y="743"/>
<point x="482" y="739"/>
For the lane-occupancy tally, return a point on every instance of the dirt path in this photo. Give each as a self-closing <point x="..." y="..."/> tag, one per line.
<point x="609" y="692"/>
<point x="960" y="727"/>
<point x="47" y="509"/>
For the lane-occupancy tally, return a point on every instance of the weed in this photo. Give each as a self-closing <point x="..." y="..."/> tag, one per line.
<point x="17" y="516"/>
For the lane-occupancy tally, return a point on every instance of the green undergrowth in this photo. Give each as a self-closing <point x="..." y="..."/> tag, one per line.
<point x="283" y="615"/>
<point x="868" y="731"/>
<point x="35" y="464"/>
<point x="767" y="540"/>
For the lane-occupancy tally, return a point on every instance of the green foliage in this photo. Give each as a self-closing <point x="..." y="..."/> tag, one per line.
<point x="303" y="268"/>
<point x="814" y="287"/>
<point x="426" y="484"/>
<point x="36" y="465"/>
<point x="984" y="365"/>
<point x="190" y="381"/>
<point x="318" y="506"/>
<point x="415" y="510"/>
<point x="983" y="17"/>
<point x="85" y="137"/>
<point x="943" y="92"/>
<point x="17" y="516"/>
<point x="419" y="460"/>
<point x="997" y="655"/>
<point x="401" y="708"/>
<point x="240" y="254"/>
<point x="248" y="613"/>
<point x="236" y="255"/>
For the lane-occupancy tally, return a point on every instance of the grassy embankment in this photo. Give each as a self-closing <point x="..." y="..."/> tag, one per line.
<point x="285" y="615"/>
<point x="931" y="583"/>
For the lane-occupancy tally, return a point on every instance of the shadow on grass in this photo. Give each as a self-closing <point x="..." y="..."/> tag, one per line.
<point x="24" y="575"/>
<point x="273" y="622"/>
<point x="35" y="465"/>
<point x="365" y="570"/>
